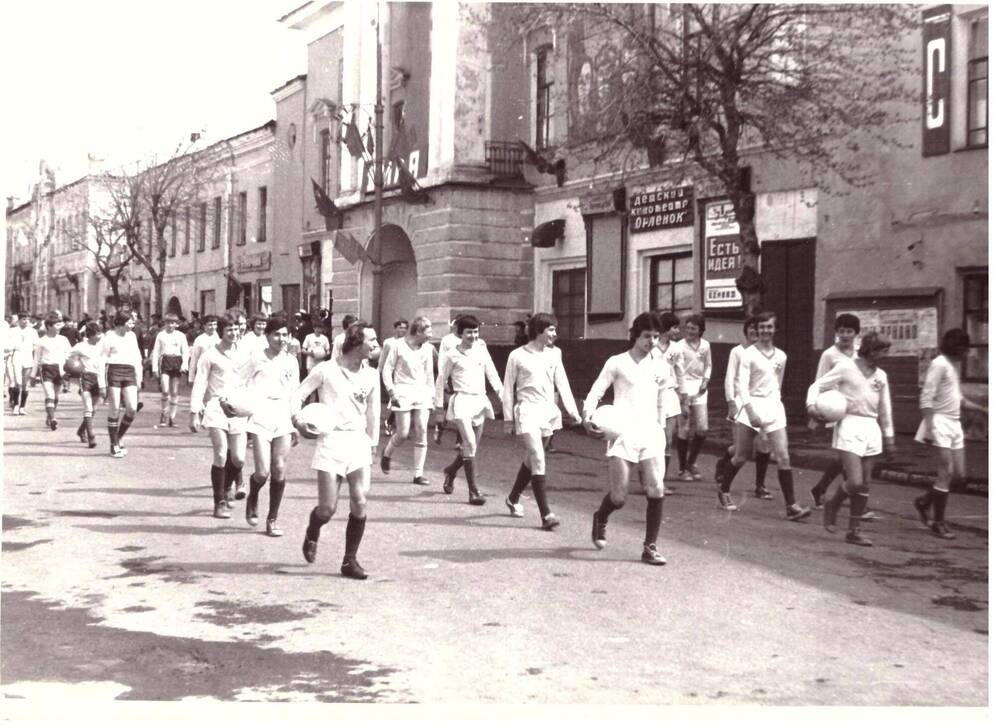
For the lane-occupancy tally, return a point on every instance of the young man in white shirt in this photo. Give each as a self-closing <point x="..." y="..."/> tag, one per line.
<point x="216" y="374"/>
<point x="941" y="403"/>
<point x="858" y="436"/>
<point x="338" y="341"/>
<point x="93" y="381"/>
<point x="846" y="329"/>
<point x="533" y="375"/>
<point x="407" y="372"/>
<point x="169" y="362"/>
<point x="25" y="337"/>
<point x="467" y="367"/>
<point x="696" y="362"/>
<point x="208" y="338"/>
<point x="121" y="350"/>
<point x="639" y="386"/>
<point x="51" y="352"/>
<point x="344" y="452"/>
<point x="668" y="351"/>
<point x="758" y="395"/>
<point x="762" y="449"/>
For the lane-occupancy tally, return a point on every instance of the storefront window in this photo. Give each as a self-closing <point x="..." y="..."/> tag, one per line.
<point x="976" y="323"/>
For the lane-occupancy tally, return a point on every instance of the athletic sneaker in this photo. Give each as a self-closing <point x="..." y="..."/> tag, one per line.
<point x="686" y="476"/>
<point x="550" y="522"/>
<point x="870" y="515"/>
<point x="599" y="532"/>
<point x="309" y="549"/>
<point x="163" y="420"/>
<point x="940" y="529"/>
<point x="854" y="536"/>
<point x="272" y="529"/>
<point x="421" y="481"/>
<point x="651" y="556"/>
<point x="53" y="424"/>
<point x="796" y="512"/>
<point x="695" y="474"/>
<point x="20" y="411"/>
<point x="726" y="501"/>
<point x="476" y="498"/>
<point x="763" y="493"/>
<point x="438" y="430"/>
<point x="669" y="490"/>
<point x="118" y="453"/>
<point x="91" y="443"/>
<point x="221" y="511"/>
<point x="352" y="569"/>
<point x="385" y="464"/>
<point x="516" y="509"/>
<point x="923" y="508"/>
<point x="241" y="490"/>
<point x="449" y="482"/>
<point x="818" y="498"/>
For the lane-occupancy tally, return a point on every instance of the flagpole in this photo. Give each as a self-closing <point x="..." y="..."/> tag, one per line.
<point x="376" y="246"/>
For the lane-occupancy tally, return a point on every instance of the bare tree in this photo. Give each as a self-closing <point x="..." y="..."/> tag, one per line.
<point x="144" y="202"/>
<point x="693" y="86"/>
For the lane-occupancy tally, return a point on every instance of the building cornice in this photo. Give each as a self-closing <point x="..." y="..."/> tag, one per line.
<point x="288" y="89"/>
<point x="315" y="19"/>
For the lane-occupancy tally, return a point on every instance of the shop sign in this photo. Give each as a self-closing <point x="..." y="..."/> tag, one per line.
<point x="597" y="204"/>
<point x="254" y="262"/>
<point x="937" y="80"/>
<point x="723" y="256"/>
<point x="664" y="208"/>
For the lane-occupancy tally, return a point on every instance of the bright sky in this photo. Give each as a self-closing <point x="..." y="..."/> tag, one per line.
<point x="123" y="78"/>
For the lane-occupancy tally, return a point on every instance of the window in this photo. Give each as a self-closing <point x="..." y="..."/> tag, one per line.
<point x="671" y="283"/>
<point x="173" y="234"/>
<point x="264" y="296"/>
<point x="975" y="321"/>
<point x="262" y="214"/>
<point x="978" y="98"/>
<point x="241" y="219"/>
<point x="543" y="93"/>
<point x="216" y="222"/>
<point x="324" y="160"/>
<point x="207" y="302"/>
<point x="203" y="225"/>
<point x="187" y="231"/>
<point x="569" y="289"/>
<point x="605" y="267"/>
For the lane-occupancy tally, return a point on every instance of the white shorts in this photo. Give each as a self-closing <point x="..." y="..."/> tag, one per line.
<point x="671" y="404"/>
<point x="469" y="406"/>
<point x="413" y="397"/>
<point x="272" y="419"/>
<point x="770" y="410"/>
<point x="947" y="433"/>
<point x="213" y="417"/>
<point x="531" y="417"/>
<point x="640" y="444"/>
<point x="342" y="452"/>
<point x="857" y="434"/>
<point x="23" y="360"/>
<point x="690" y="388"/>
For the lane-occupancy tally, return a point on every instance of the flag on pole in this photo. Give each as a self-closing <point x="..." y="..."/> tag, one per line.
<point x="408" y="187"/>
<point x="352" y="139"/>
<point x="326" y="207"/>
<point x="348" y="246"/>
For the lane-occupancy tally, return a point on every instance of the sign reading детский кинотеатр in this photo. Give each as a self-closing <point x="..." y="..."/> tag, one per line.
<point x="723" y="255"/>
<point x="661" y="209"/>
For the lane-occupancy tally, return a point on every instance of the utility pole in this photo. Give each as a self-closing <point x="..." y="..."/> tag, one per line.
<point x="376" y="245"/>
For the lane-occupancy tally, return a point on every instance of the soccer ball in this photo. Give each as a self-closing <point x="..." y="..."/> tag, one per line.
<point x="240" y="403"/>
<point x="832" y="405"/>
<point x="611" y="421"/>
<point x="314" y="420"/>
<point x="73" y="367"/>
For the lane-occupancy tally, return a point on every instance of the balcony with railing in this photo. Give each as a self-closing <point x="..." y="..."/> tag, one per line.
<point x="505" y="159"/>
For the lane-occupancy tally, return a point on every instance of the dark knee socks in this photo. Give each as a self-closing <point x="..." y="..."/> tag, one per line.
<point x="654" y="512"/>
<point x="452" y="468"/>
<point x="218" y="483"/>
<point x="859" y="501"/>
<point x="24" y="396"/>
<point x="729" y="471"/>
<point x="607" y="506"/>
<point x="316" y="522"/>
<point x="541" y="495"/>
<point x="254" y="495"/>
<point x="520" y="483"/>
<point x="787" y="484"/>
<point x="355" y="531"/>
<point x="760" y="461"/>
<point x="233" y="472"/>
<point x="113" y="433"/>
<point x="124" y="425"/>
<point x="940" y="501"/>
<point x="275" y="492"/>
<point x="695" y="449"/>
<point x="469" y="464"/>
<point x="682" y="453"/>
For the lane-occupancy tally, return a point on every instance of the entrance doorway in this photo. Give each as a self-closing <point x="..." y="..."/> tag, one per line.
<point x="398" y="296"/>
<point x="789" y="271"/>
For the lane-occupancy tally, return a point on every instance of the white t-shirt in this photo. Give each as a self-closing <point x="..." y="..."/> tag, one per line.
<point x="866" y="396"/>
<point x="942" y="390"/>
<point x="354" y="397"/>
<point x="638" y="387"/>
<point x="695" y="364"/>
<point x="759" y="375"/>
<point x="533" y="377"/>
<point x="468" y="370"/>
<point x="52" y="350"/>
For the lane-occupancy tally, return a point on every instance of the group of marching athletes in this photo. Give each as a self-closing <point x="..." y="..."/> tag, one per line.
<point x="247" y="383"/>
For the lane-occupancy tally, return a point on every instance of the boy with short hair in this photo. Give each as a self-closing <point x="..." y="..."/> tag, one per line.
<point x="696" y="363"/>
<point x="51" y="352"/>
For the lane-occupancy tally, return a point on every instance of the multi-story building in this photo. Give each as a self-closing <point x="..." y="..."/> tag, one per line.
<point x="219" y="246"/>
<point x="461" y="245"/>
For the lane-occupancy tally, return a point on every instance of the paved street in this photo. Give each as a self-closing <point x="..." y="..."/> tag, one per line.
<point x="116" y="577"/>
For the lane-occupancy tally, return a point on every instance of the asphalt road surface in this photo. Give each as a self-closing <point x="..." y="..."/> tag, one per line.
<point x="118" y="583"/>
